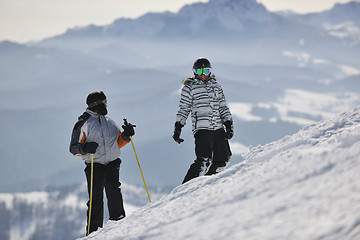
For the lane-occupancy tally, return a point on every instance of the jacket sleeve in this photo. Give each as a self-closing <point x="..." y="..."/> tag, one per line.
<point x="224" y="110"/>
<point x="185" y="105"/>
<point x="78" y="138"/>
<point x="122" y="140"/>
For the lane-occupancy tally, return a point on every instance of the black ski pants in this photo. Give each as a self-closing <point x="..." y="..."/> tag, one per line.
<point x="212" y="153"/>
<point x="104" y="176"/>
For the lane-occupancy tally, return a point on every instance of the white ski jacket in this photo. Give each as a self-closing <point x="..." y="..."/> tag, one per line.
<point x="206" y="102"/>
<point x="93" y="127"/>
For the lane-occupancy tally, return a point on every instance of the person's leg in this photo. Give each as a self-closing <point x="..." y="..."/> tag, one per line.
<point x="113" y="191"/>
<point x="97" y="209"/>
<point x="222" y="152"/>
<point x="203" y="150"/>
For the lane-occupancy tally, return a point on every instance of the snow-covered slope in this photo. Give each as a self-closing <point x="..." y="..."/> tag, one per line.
<point x="304" y="186"/>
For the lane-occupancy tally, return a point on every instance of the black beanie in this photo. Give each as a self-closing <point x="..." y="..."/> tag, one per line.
<point x="95" y="101"/>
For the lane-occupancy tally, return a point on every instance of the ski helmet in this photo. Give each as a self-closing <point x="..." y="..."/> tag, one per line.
<point x="201" y="63"/>
<point x="97" y="101"/>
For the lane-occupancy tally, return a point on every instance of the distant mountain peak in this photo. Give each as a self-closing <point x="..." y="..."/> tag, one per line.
<point x="8" y="45"/>
<point x="355" y="4"/>
<point x="351" y="10"/>
<point x="224" y="14"/>
<point x="339" y="14"/>
<point x="244" y="8"/>
<point x="244" y="3"/>
<point x="221" y="16"/>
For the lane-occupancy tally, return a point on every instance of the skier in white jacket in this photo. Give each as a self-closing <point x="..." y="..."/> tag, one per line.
<point x="203" y="97"/>
<point x="96" y="134"/>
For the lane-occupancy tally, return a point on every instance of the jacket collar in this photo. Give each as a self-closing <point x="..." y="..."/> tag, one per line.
<point x="93" y="114"/>
<point x="210" y="80"/>
<point x="193" y="79"/>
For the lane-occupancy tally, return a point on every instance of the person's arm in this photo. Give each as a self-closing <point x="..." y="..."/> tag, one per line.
<point x="185" y="105"/>
<point x="184" y="111"/>
<point x="78" y="146"/>
<point x="224" y="110"/>
<point x="225" y="115"/>
<point x="78" y="138"/>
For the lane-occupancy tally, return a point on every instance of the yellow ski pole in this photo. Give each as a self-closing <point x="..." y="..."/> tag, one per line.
<point x="142" y="175"/>
<point x="137" y="159"/>
<point x="91" y="192"/>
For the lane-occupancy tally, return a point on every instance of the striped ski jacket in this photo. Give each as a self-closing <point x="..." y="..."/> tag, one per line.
<point x="93" y="127"/>
<point x="206" y="102"/>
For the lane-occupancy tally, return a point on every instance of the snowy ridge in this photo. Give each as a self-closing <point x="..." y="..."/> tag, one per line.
<point x="226" y="10"/>
<point x="304" y="186"/>
<point x="218" y="17"/>
<point x="311" y="135"/>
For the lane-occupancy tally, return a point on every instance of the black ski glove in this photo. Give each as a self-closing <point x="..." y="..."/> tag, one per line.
<point x="90" y="147"/>
<point x="229" y="129"/>
<point x="177" y="132"/>
<point x="128" y="129"/>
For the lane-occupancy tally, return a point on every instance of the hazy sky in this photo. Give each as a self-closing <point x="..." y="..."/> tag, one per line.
<point x="30" y="20"/>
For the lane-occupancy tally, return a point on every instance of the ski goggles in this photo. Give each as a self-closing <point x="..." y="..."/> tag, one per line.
<point x="200" y="71"/>
<point x="97" y="103"/>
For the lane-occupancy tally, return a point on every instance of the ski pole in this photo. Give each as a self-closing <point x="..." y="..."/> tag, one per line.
<point x="137" y="159"/>
<point x="91" y="192"/>
<point x="142" y="175"/>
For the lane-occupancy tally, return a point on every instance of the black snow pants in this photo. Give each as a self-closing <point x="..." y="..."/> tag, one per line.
<point x="212" y="153"/>
<point x="104" y="176"/>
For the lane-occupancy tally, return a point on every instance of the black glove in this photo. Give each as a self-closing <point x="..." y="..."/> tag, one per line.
<point x="128" y="129"/>
<point x="177" y="132"/>
<point x="90" y="147"/>
<point x="229" y="133"/>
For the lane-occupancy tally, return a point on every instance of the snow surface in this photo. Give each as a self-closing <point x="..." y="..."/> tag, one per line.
<point x="304" y="186"/>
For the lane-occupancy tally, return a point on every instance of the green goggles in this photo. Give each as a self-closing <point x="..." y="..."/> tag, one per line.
<point x="200" y="71"/>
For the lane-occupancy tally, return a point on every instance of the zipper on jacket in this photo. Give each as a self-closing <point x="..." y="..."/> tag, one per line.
<point x="103" y="137"/>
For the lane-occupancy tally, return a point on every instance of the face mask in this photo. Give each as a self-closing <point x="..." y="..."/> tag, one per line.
<point x="102" y="109"/>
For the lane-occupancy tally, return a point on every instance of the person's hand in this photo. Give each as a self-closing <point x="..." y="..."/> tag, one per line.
<point x="90" y="147"/>
<point x="128" y="130"/>
<point x="177" y="131"/>
<point x="229" y="131"/>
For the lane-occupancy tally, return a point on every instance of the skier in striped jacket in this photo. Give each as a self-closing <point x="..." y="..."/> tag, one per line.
<point x="203" y="97"/>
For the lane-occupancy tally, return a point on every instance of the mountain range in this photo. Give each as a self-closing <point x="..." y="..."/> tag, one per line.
<point x="278" y="73"/>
